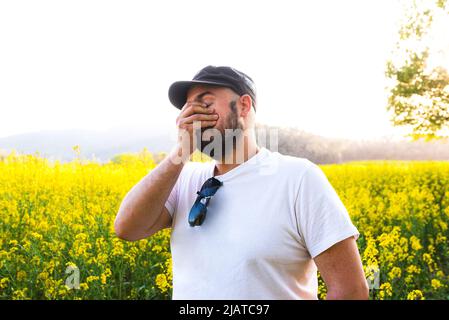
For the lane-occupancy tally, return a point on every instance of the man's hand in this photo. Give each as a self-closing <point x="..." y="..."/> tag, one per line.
<point x="190" y="113"/>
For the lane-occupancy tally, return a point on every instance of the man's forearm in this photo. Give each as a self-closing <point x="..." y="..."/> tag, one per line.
<point x="144" y="203"/>
<point x="359" y="293"/>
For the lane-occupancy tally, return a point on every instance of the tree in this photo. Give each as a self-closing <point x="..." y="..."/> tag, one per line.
<point x="419" y="93"/>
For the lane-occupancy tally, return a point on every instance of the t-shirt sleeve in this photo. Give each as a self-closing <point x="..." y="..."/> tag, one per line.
<point x="322" y="217"/>
<point x="172" y="202"/>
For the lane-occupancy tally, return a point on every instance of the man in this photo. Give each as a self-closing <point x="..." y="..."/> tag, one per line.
<point x="272" y="220"/>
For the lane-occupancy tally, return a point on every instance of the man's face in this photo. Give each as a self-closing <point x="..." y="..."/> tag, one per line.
<point x="224" y="102"/>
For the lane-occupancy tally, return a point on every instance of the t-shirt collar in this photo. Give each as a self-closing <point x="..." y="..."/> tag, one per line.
<point x="254" y="160"/>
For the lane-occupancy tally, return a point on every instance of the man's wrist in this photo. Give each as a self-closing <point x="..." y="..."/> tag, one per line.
<point x="179" y="155"/>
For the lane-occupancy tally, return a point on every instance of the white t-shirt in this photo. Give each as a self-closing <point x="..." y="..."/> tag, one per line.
<point x="273" y="214"/>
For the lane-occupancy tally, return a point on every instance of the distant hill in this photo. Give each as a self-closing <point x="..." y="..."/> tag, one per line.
<point x="322" y="150"/>
<point x="103" y="145"/>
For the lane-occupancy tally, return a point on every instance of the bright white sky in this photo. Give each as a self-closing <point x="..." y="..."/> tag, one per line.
<point x="317" y="65"/>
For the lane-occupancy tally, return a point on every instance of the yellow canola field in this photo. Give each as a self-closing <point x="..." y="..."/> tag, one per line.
<point x="57" y="239"/>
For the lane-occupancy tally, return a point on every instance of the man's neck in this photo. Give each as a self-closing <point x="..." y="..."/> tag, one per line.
<point x="250" y="149"/>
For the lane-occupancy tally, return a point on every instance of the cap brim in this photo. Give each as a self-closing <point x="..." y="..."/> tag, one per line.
<point x="177" y="93"/>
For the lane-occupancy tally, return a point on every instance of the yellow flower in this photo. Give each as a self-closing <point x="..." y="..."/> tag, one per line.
<point x="436" y="284"/>
<point x="385" y="290"/>
<point x="408" y="279"/>
<point x="71" y="264"/>
<point x="63" y="291"/>
<point x="427" y="258"/>
<point x="84" y="286"/>
<point x="130" y="258"/>
<point x="81" y="236"/>
<point x="415" y="243"/>
<point x="161" y="282"/>
<point x="415" y="295"/>
<point x="36" y="236"/>
<point x="21" y="275"/>
<point x="92" y="278"/>
<point x="13" y="243"/>
<point x="156" y="248"/>
<point x="118" y="249"/>
<point x="20" y="294"/>
<point x="442" y="225"/>
<point x="440" y="239"/>
<point x="430" y="263"/>
<point x="103" y="278"/>
<point x="395" y="273"/>
<point x="26" y="244"/>
<point x="36" y="260"/>
<point x="4" y="283"/>
<point x="102" y="258"/>
<point x="413" y="269"/>
<point x="107" y="273"/>
<point x="43" y="275"/>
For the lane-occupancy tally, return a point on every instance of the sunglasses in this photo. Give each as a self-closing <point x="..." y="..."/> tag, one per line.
<point x="199" y="209"/>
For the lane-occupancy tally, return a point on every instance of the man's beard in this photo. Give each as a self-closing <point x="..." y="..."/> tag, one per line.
<point x="229" y="137"/>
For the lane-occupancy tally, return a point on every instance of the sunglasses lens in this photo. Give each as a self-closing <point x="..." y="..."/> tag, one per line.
<point x="199" y="209"/>
<point x="212" y="183"/>
<point x="197" y="214"/>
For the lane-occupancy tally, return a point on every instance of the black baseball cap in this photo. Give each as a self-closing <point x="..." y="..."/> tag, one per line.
<point x="222" y="76"/>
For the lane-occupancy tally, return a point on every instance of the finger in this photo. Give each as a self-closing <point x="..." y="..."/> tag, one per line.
<point x="193" y="103"/>
<point x="203" y="124"/>
<point x="200" y="117"/>
<point x="197" y="110"/>
<point x="189" y="103"/>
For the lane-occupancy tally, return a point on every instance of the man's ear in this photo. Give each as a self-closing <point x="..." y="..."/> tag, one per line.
<point x="246" y="103"/>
